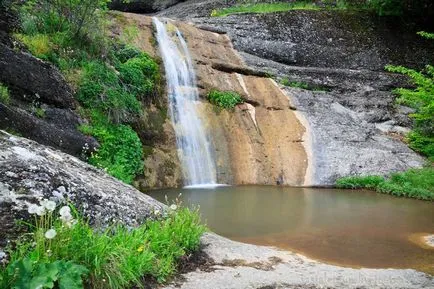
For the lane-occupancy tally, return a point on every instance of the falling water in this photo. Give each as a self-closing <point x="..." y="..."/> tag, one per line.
<point x="194" y="149"/>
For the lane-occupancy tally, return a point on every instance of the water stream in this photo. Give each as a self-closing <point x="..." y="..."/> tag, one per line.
<point x="194" y="148"/>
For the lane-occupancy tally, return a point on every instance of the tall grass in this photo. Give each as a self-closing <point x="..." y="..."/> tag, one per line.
<point x="117" y="257"/>
<point x="414" y="183"/>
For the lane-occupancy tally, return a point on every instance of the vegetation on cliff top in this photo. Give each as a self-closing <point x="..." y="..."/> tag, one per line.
<point x="112" y="79"/>
<point x="63" y="251"/>
<point x="381" y="7"/>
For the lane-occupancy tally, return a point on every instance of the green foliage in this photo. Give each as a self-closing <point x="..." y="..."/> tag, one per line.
<point x="4" y="94"/>
<point x="100" y="89"/>
<point x="224" y="99"/>
<point x="421" y="99"/>
<point x="117" y="257"/>
<point x="26" y="274"/>
<point x="120" y="153"/>
<point x="140" y="75"/>
<point x="302" y="85"/>
<point x="426" y="35"/>
<point x="387" y="7"/>
<point x="264" y="8"/>
<point x="80" y="19"/>
<point x="414" y="183"/>
<point x="370" y="182"/>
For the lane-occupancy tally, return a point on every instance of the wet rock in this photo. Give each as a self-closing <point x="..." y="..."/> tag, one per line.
<point x="30" y="171"/>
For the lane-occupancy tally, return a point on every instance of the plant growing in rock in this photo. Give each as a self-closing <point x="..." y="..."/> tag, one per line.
<point x="4" y="94"/>
<point x="224" y="99"/>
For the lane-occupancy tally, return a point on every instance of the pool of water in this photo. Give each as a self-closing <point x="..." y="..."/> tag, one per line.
<point x="351" y="228"/>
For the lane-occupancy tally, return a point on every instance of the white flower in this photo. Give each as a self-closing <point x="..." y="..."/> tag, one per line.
<point x="70" y="223"/>
<point x="32" y="209"/>
<point x="65" y="211"/>
<point x="66" y="218"/>
<point x="40" y="210"/>
<point x="50" y="234"/>
<point x="173" y="207"/>
<point x="49" y="205"/>
<point x="2" y="255"/>
<point x="156" y="212"/>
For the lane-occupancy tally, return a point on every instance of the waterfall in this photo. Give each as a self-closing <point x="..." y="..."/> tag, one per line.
<point x="194" y="149"/>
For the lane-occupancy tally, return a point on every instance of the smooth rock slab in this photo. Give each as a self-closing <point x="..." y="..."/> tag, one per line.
<point x="30" y="172"/>
<point x="240" y="266"/>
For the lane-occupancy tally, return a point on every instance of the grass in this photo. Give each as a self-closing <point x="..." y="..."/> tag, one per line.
<point x="4" y="94"/>
<point x="117" y="257"/>
<point x="414" y="183"/>
<point x="224" y="99"/>
<point x="264" y="8"/>
<point x="302" y="85"/>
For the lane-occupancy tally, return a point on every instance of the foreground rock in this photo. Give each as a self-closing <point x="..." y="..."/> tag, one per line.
<point x="30" y="171"/>
<point x="240" y="266"/>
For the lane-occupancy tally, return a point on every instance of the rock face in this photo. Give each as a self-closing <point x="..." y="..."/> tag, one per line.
<point x="30" y="171"/>
<point x="353" y="122"/>
<point x="259" y="142"/>
<point x="34" y="79"/>
<point x="142" y="6"/>
<point x="239" y="266"/>
<point x="36" y="86"/>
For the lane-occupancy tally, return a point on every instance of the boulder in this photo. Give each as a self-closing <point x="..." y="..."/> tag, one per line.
<point x="34" y="80"/>
<point x="30" y="172"/>
<point x="142" y="6"/>
<point x="57" y="129"/>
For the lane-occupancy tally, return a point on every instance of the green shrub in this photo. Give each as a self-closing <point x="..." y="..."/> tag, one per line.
<point x="421" y="99"/>
<point x="387" y="7"/>
<point x="120" y="153"/>
<point x="101" y="90"/>
<point x="414" y="183"/>
<point x="38" y="44"/>
<point x="224" y="99"/>
<point x="370" y="182"/>
<point x="4" y="94"/>
<point x="140" y="75"/>
<point x="117" y="257"/>
<point x="426" y="35"/>
<point x="126" y="52"/>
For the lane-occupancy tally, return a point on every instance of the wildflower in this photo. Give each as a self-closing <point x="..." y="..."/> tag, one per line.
<point x="156" y="212"/>
<point x="141" y="248"/>
<point x="64" y="211"/>
<point x="50" y="234"/>
<point x="173" y="207"/>
<point x="40" y="211"/>
<point x="48" y="205"/>
<point x="32" y="209"/>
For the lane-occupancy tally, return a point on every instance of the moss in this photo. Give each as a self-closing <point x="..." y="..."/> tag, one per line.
<point x="4" y="94"/>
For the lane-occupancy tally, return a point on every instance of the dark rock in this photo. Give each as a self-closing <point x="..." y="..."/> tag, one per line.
<point x="142" y="6"/>
<point x="231" y="68"/>
<point x="328" y="39"/>
<point x="30" y="171"/>
<point x="61" y="133"/>
<point x="33" y="80"/>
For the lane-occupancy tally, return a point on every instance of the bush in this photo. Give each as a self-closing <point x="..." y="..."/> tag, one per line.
<point x="421" y="99"/>
<point x="117" y="257"/>
<point x="139" y="74"/>
<point x="4" y="94"/>
<point x="101" y="90"/>
<point x="369" y="182"/>
<point x="414" y="183"/>
<point x="224" y="99"/>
